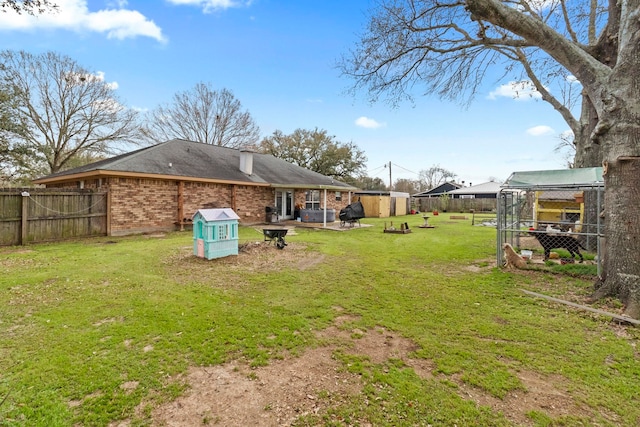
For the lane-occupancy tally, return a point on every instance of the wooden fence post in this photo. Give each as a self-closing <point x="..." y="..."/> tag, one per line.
<point x="24" y="218"/>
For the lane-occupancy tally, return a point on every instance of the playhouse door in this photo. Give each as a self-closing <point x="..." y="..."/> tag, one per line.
<point x="284" y="203"/>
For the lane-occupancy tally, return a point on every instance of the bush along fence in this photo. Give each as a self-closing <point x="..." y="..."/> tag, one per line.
<point x="31" y="215"/>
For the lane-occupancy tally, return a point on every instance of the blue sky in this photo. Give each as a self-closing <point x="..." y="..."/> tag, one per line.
<point x="278" y="58"/>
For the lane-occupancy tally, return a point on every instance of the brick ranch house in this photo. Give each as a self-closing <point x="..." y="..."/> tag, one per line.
<point x="159" y="188"/>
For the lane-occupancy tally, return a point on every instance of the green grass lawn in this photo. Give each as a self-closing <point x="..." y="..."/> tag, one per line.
<point x="80" y="319"/>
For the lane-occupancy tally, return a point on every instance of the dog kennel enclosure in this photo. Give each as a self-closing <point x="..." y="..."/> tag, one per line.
<point x="566" y="203"/>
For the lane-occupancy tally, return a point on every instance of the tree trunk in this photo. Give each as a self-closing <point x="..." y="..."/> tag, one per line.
<point x="588" y="152"/>
<point x="618" y="130"/>
<point x="622" y="219"/>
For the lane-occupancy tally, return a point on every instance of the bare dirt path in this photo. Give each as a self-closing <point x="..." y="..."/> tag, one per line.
<point x="277" y="394"/>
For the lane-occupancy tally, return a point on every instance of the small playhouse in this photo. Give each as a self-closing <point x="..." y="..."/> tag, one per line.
<point x="215" y="233"/>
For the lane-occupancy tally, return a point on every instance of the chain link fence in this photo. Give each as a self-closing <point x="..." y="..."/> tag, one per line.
<point x="545" y="222"/>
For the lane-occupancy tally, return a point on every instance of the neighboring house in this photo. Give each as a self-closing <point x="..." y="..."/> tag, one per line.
<point x="481" y="197"/>
<point x="438" y="191"/>
<point x="487" y="190"/>
<point x="160" y="187"/>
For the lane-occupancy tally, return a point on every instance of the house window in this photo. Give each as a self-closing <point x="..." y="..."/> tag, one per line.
<point x="312" y="199"/>
<point x="338" y="196"/>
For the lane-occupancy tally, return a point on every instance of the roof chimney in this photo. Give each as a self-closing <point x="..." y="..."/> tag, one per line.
<point x="246" y="161"/>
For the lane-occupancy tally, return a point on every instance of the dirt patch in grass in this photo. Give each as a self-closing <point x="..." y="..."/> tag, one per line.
<point x="234" y="394"/>
<point x="315" y="381"/>
<point x="253" y="256"/>
<point x="278" y="394"/>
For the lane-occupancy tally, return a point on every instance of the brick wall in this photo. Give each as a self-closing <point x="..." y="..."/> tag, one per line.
<point x="150" y="205"/>
<point x="142" y="205"/>
<point x="250" y="201"/>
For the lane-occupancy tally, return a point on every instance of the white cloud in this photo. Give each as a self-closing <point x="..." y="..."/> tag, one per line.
<point x="368" y="123"/>
<point x="117" y="3"/>
<point x="209" y="6"/>
<point x="520" y="91"/>
<point x="111" y="85"/>
<point x="540" y="130"/>
<point x="74" y="15"/>
<point x="572" y="79"/>
<point x="541" y="5"/>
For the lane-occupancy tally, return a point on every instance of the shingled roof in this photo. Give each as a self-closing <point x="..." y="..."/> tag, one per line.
<point x="195" y="161"/>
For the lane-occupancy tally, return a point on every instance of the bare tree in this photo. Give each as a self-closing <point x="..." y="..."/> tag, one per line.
<point x="68" y="110"/>
<point x="448" y="46"/>
<point x="205" y="115"/>
<point x="434" y="46"/>
<point x="434" y="176"/>
<point x="405" y="185"/>
<point x="32" y="7"/>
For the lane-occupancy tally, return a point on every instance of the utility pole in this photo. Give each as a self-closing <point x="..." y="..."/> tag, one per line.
<point x="390" y="181"/>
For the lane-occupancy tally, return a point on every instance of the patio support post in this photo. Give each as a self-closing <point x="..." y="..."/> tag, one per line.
<point x="325" y="209"/>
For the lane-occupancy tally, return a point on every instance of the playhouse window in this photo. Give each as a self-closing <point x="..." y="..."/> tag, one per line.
<point x="223" y="232"/>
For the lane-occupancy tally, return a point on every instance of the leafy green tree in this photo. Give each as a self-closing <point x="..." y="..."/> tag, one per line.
<point x="317" y="151"/>
<point x="10" y="124"/>
<point x="369" y="183"/>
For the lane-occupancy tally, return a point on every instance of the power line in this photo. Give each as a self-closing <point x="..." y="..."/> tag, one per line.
<point x="378" y="169"/>
<point x="405" y="169"/>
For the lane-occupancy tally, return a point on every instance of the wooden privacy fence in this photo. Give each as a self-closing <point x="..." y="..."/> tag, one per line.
<point x="30" y="215"/>
<point x="427" y="204"/>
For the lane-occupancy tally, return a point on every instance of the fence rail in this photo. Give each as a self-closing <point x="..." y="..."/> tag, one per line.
<point x="29" y="215"/>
